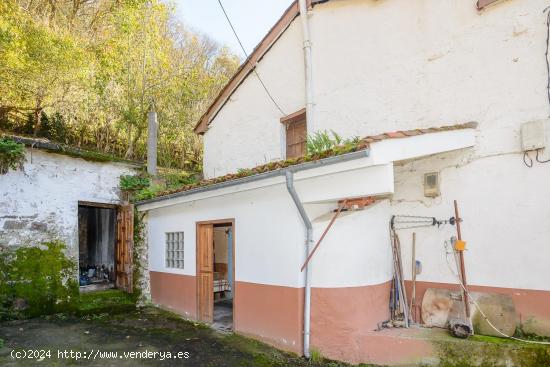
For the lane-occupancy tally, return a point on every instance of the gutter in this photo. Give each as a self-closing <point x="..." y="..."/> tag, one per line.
<point x="257" y="177"/>
<point x="307" y="273"/>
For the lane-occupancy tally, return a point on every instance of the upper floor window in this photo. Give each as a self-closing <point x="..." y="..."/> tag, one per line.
<point x="296" y="134"/>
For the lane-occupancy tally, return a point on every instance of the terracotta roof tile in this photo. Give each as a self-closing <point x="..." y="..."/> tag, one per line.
<point x="412" y="132"/>
<point x="396" y="134"/>
<point x="364" y="143"/>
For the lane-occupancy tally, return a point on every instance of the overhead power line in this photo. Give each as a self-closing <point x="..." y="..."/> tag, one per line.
<point x="248" y="60"/>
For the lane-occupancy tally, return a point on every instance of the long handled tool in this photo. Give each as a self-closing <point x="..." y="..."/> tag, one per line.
<point x="414" y="268"/>
<point x="398" y="275"/>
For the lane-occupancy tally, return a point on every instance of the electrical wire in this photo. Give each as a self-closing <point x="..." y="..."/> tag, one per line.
<point x="538" y="160"/>
<point x="447" y="252"/>
<point x="254" y="67"/>
<point x="547" y="50"/>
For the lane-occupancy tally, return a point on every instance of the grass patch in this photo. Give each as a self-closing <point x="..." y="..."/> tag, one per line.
<point x="108" y="301"/>
<point x="315" y="355"/>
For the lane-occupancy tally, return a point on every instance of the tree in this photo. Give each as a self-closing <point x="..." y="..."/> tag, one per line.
<point x="95" y="68"/>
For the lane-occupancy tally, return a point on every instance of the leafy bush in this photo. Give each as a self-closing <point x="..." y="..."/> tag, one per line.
<point x="12" y="155"/>
<point x="148" y="192"/>
<point x="133" y="183"/>
<point x="36" y="281"/>
<point x="321" y="141"/>
<point x="178" y="179"/>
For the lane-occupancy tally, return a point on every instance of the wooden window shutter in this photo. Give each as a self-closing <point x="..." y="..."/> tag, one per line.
<point x="296" y="134"/>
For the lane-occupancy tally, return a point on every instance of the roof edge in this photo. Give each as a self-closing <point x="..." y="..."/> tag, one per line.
<point x="89" y="155"/>
<point x="249" y="64"/>
<point x="261" y="176"/>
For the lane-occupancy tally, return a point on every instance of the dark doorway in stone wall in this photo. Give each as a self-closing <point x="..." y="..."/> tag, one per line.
<point x="96" y="239"/>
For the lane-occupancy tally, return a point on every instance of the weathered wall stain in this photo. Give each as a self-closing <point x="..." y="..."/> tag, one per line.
<point x="40" y="203"/>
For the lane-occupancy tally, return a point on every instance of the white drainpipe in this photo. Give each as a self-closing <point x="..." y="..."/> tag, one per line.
<point x="307" y="66"/>
<point x="310" y="129"/>
<point x="307" y="274"/>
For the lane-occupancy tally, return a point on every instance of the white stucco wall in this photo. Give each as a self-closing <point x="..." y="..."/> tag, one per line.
<point x="40" y="203"/>
<point x="505" y="207"/>
<point x="267" y="251"/>
<point x="389" y="65"/>
<point x="247" y="131"/>
<point x="270" y="238"/>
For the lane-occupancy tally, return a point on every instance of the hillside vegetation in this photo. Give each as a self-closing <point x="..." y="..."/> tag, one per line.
<point x="86" y="72"/>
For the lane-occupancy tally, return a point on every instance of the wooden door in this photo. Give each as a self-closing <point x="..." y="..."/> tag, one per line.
<point x="125" y="247"/>
<point x="205" y="272"/>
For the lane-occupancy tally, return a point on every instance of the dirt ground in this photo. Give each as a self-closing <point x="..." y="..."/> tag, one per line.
<point x="149" y="330"/>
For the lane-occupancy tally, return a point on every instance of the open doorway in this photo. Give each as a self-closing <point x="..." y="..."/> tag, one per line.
<point x="96" y="242"/>
<point x="215" y="265"/>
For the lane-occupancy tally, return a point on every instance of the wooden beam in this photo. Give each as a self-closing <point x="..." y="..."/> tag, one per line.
<point x="98" y="205"/>
<point x="484" y="3"/>
<point x="358" y="203"/>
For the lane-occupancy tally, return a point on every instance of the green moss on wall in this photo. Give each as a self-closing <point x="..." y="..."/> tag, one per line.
<point x="481" y="351"/>
<point x="37" y="281"/>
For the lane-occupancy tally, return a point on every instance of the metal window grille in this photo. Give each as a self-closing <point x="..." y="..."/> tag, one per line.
<point x="174" y="250"/>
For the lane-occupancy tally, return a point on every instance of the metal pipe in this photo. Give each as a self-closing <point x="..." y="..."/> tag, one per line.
<point x="307" y="273"/>
<point x="307" y="65"/>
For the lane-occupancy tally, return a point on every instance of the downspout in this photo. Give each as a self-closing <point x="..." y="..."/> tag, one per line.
<point x="303" y="4"/>
<point x="307" y="273"/>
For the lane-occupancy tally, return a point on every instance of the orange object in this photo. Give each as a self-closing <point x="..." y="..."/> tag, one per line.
<point x="460" y="245"/>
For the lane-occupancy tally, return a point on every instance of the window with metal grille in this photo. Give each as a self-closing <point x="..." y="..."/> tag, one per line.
<point x="174" y="250"/>
<point x="296" y="134"/>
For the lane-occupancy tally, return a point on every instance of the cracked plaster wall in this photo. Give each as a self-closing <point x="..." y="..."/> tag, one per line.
<point x="40" y="203"/>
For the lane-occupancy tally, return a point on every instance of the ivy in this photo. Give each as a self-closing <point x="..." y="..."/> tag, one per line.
<point x="12" y="155"/>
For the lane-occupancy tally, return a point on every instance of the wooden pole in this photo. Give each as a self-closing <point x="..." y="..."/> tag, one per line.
<point x="404" y="303"/>
<point x="412" y="307"/>
<point x="342" y="205"/>
<point x="462" y="267"/>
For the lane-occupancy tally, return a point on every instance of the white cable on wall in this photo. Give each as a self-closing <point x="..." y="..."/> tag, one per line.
<point x="477" y="305"/>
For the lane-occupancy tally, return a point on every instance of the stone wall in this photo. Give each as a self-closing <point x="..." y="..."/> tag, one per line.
<point x="40" y="202"/>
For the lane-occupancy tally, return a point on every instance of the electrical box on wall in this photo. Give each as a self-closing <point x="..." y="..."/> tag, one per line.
<point x="431" y="184"/>
<point x="532" y="135"/>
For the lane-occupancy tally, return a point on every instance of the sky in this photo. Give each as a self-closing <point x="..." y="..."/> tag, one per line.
<point x="252" y="19"/>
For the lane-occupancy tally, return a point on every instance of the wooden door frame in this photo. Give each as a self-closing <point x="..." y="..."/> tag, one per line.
<point x="117" y="207"/>
<point x="197" y="264"/>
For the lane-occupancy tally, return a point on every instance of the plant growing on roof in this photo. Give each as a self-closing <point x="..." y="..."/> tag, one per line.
<point x="322" y="141"/>
<point x="133" y="183"/>
<point x="12" y="155"/>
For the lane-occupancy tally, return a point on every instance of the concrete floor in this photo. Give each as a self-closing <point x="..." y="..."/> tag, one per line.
<point x="223" y="315"/>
